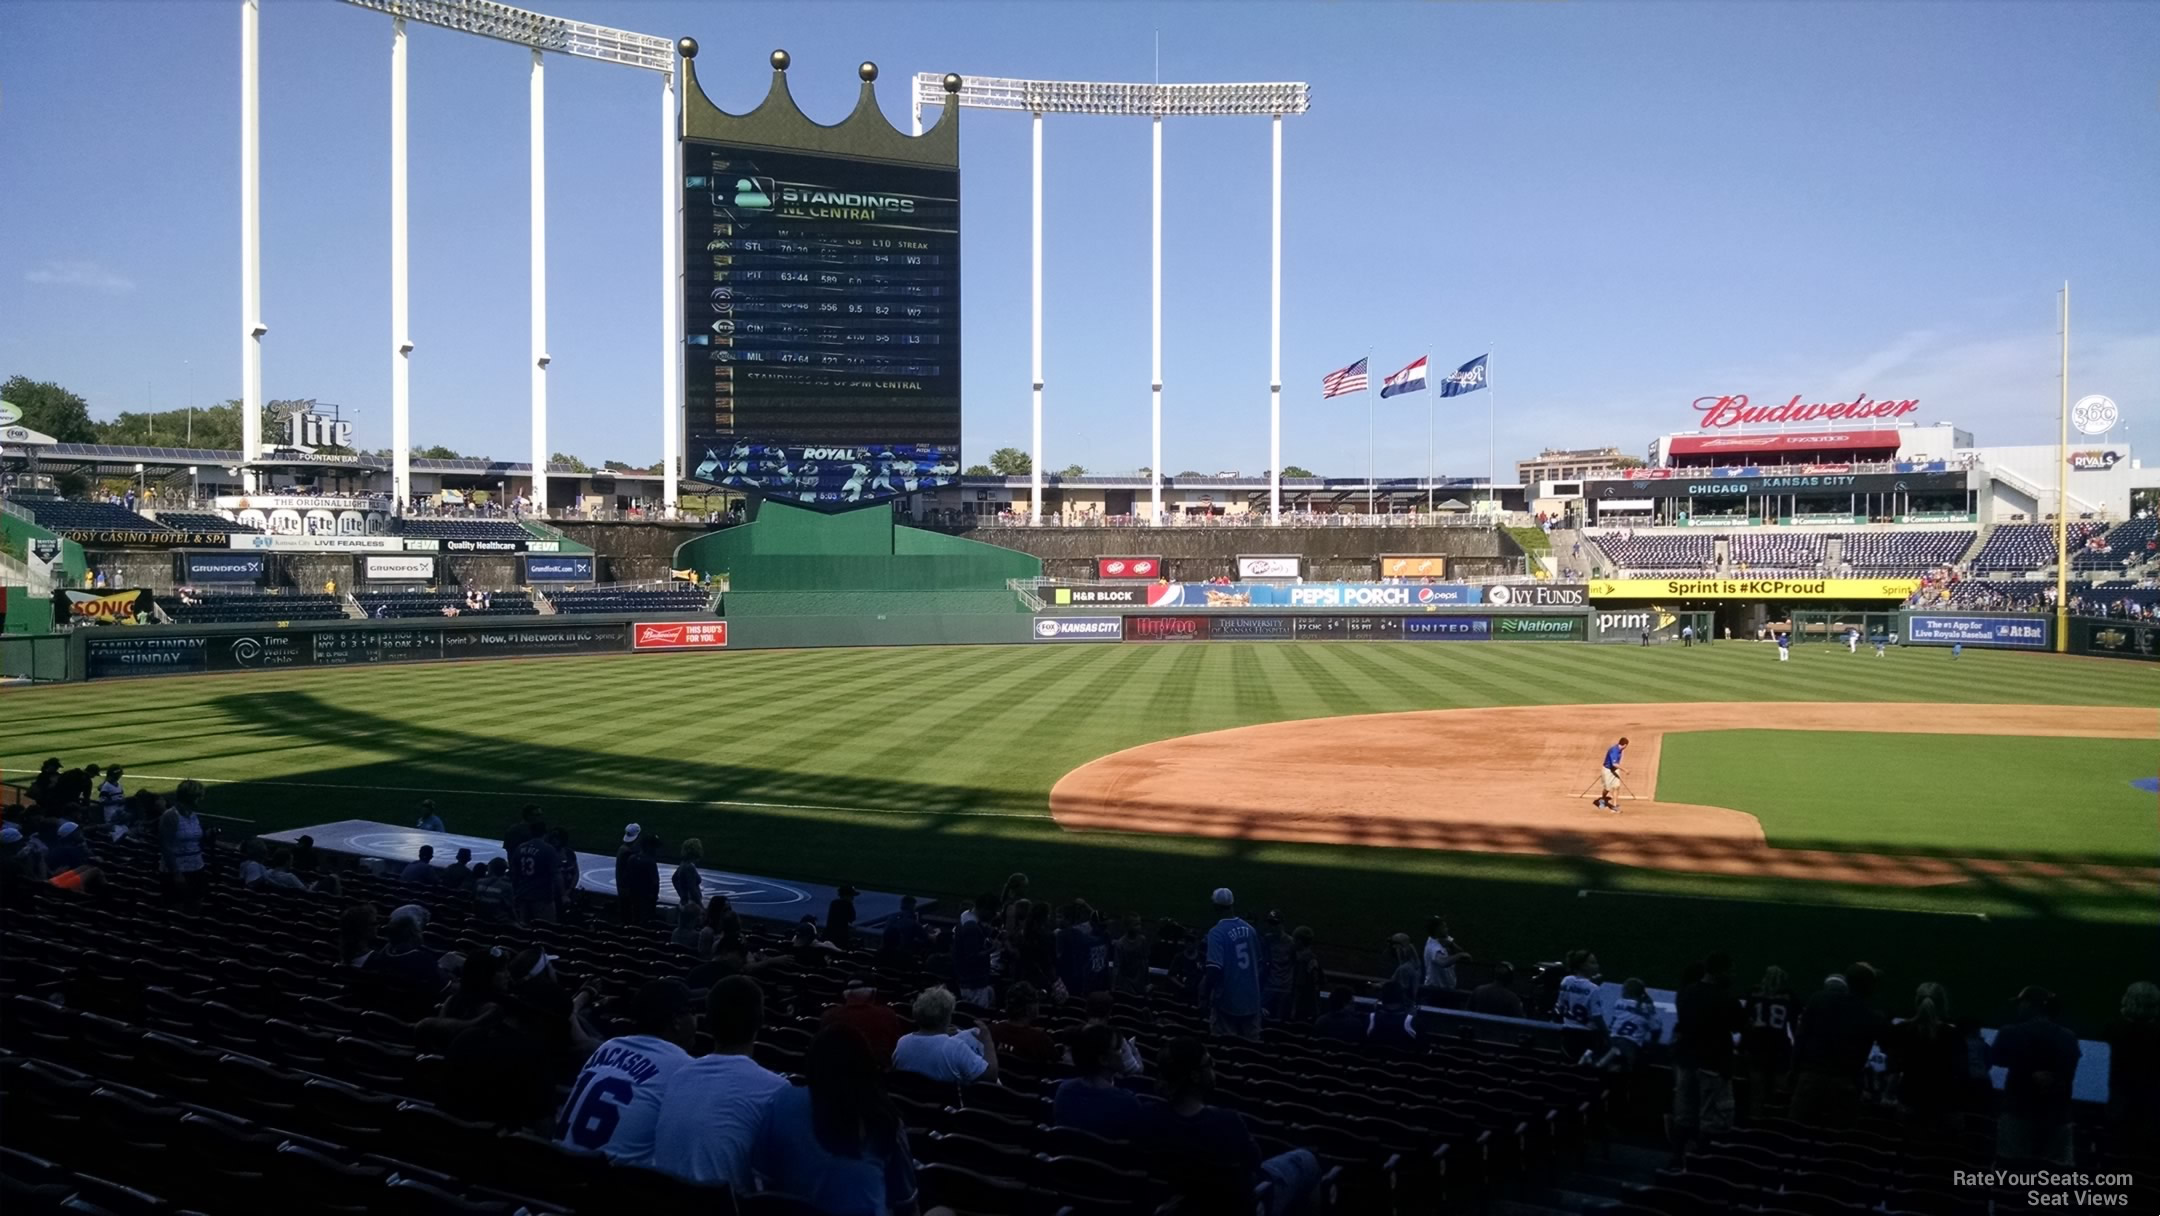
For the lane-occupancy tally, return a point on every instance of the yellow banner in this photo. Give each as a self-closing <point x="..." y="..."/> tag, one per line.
<point x="1409" y="565"/>
<point x="1753" y="588"/>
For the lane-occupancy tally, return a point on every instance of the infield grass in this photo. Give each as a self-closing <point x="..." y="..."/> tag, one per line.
<point x="1956" y="795"/>
<point x="928" y="770"/>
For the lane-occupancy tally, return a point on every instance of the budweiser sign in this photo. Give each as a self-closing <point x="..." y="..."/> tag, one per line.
<point x="1736" y="410"/>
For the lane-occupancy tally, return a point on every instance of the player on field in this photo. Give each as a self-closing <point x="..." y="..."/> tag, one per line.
<point x="614" y="1108"/>
<point x="1609" y="775"/>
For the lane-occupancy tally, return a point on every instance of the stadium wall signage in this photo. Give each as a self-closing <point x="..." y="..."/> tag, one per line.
<point x="400" y="569"/>
<point x="2096" y="461"/>
<point x="222" y="567"/>
<point x="1734" y="409"/>
<point x="1807" y="441"/>
<point x="1313" y="595"/>
<point x="1127" y="596"/>
<point x="678" y="635"/>
<point x="1943" y="629"/>
<point x="482" y="546"/>
<point x="2116" y="639"/>
<point x="134" y="655"/>
<point x="1413" y="565"/>
<point x="1808" y="483"/>
<point x="1538" y="595"/>
<point x="551" y="569"/>
<point x="321" y="542"/>
<point x="1753" y="588"/>
<point x="1267" y="567"/>
<point x="139" y="536"/>
<point x="130" y="607"/>
<point x="1629" y="625"/>
<point x="1252" y="627"/>
<point x="1569" y="628"/>
<point x="1128" y="567"/>
<point x="1079" y="628"/>
<point x="1447" y="628"/>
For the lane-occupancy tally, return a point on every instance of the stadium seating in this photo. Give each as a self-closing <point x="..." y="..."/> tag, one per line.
<point x="2126" y="544"/>
<point x="231" y="608"/>
<point x="465" y="529"/>
<point x="432" y="603"/>
<point x="2021" y="548"/>
<point x="203" y="521"/>
<point x="1904" y="552"/>
<point x="686" y="599"/>
<point x="66" y="515"/>
<point x="1660" y="553"/>
<point x="1775" y="552"/>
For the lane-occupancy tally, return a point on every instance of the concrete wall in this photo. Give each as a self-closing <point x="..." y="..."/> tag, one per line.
<point x="633" y="551"/>
<point x="1197" y="554"/>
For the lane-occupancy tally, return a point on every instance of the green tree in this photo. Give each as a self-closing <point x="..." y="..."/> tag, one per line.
<point x="50" y="408"/>
<point x="1192" y="473"/>
<point x="576" y="465"/>
<point x="617" y="466"/>
<point x="1072" y="470"/>
<point x="1298" y="471"/>
<point x="1012" y="462"/>
<point x="1628" y="462"/>
<point x="1146" y="471"/>
<point x="436" y="451"/>
<point x="979" y="470"/>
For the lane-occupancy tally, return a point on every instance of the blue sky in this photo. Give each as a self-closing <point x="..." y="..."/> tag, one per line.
<point x="1633" y="204"/>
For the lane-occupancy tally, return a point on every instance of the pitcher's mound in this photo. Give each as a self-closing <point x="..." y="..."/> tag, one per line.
<point x="1520" y="779"/>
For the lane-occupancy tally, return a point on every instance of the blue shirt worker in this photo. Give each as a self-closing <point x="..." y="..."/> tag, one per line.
<point x="1784" y="646"/>
<point x="1232" y="980"/>
<point x="1609" y="775"/>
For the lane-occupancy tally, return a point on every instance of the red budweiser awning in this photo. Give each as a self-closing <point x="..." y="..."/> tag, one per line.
<point x="1812" y="441"/>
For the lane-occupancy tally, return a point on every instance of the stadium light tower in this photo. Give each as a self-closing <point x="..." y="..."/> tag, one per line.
<point x="541" y="34"/>
<point x="1156" y="101"/>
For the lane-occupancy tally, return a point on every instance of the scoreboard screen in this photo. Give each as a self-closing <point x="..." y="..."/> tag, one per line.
<point x="821" y="322"/>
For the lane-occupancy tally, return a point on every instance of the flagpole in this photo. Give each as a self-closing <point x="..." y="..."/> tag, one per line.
<point x="1369" y="487"/>
<point x="1428" y="440"/>
<point x="1492" y="439"/>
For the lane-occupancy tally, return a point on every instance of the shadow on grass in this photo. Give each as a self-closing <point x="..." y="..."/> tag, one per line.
<point x="955" y="840"/>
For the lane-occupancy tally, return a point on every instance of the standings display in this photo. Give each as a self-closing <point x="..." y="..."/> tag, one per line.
<point x="821" y="321"/>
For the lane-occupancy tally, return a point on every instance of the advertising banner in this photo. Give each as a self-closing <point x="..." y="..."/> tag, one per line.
<point x="1129" y="596"/>
<point x="1629" y="625"/>
<point x="223" y="567"/>
<point x="483" y="546"/>
<point x="130" y="607"/>
<point x="1413" y="565"/>
<point x="401" y="569"/>
<point x="1714" y="483"/>
<point x="1166" y="628"/>
<point x="678" y="635"/>
<point x="1079" y="628"/>
<point x="533" y="640"/>
<point x="1446" y="628"/>
<point x="260" y="651"/>
<point x="163" y="537"/>
<point x="1276" y="627"/>
<point x="1753" y="588"/>
<point x="136" y="655"/>
<point x="1539" y="595"/>
<point x="1942" y="629"/>
<point x="2115" y="639"/>
<point x="1128" y="567"/>
<point x="1817" y="441"/>
<point x="1267" y="567"/>
<point x="1369" y="595"/>
<point x="1541" y="628"/>
<point x="320" y="543"/>
<point x="575" y="569"/>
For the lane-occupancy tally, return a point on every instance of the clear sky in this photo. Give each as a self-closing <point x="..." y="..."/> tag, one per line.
<point x="1632" y="204"/>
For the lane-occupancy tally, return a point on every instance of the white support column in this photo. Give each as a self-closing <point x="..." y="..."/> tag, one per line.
<point x="1035" y="336"/>
<point x="251" y="324"/>
<point x="539" y="284"/>
<point x="1155" y="302"/>
<point x="670" y="301"/>
<point x="1275" y="337"/>
<point x="400" y="281"/>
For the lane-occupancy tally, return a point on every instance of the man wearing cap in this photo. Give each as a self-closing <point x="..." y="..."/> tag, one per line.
<point x="429" y="821"/>
<point x="1230" y="986"/>
<point x="714" y="1105"/>
<point x="614" y="1106"/>
<point x="637" y="876"/>
<point x="860" y="1010"/>
<point x="404" y="957"/>
<point x="69" y="850"/>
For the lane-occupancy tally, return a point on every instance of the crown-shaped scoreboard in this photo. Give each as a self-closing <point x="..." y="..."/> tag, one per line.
<point x="821" y="297"/>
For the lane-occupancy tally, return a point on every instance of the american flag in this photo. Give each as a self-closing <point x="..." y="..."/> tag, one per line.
<point x="1339" y="383"/>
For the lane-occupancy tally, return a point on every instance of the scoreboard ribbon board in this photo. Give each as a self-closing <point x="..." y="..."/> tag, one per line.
<point x="821" y="322"/>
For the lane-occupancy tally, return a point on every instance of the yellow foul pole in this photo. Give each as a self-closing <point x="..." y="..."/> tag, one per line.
<point x="2062" y="490"/>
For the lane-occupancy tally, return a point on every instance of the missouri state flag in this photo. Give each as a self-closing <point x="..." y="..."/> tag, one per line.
<point x="1468" y="378"/>
<point x="1409" y="380"/>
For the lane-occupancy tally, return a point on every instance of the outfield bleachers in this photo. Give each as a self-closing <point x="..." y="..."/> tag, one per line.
<point x="395" y="604"/>
<point x="1661" y="552"/>
<point x="2127" y="543"/>
<point x="2022" y="548"/>
<point x="654" y="599"/>
<point x="65" y="515"/>
<point x="1890" y="553"/>
<point x="204" y="521"/>
<point x="464" y="529"/>
<point x="1775" y="552"/>
<point x="238" y="607"/>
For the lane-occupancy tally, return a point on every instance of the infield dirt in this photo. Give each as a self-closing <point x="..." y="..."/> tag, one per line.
<point x="1520" y="779"/>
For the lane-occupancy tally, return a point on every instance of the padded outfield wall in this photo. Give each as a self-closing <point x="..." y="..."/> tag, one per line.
<point x="1198" y="554"/>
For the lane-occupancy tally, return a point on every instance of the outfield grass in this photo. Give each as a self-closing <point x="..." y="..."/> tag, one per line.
<point x="1958" y="795"/>
<point x="928" y="770"/>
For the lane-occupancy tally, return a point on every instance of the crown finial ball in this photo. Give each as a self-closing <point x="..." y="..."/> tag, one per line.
<point x="868" y="71"/>
<point x="780" y="61"/>
<point x="952" y="82"/>
<point x="686" y="47"/>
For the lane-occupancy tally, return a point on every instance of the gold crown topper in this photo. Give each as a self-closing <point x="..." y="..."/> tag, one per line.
<point x="778" y="123"/>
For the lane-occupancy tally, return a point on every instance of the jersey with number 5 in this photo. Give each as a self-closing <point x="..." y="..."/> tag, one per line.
<point x="615" y="1106"/>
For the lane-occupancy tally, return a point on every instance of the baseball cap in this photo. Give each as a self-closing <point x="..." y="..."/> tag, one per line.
<point x="1401" y="939"/>
<point x="68" y="827"/>
<point x="415" y="913"/>
<point x="1223" y="897"/>
<point x="630" y="832"/>
<point x="10" y="835"/>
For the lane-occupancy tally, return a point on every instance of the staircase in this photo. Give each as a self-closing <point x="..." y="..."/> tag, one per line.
<point x="1571" y="567"/>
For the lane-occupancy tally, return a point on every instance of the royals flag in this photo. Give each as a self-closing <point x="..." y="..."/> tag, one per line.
<point x="1351" y="379"/>
<point x="1468" y="378"/>
<point x="1409" y="380"/>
